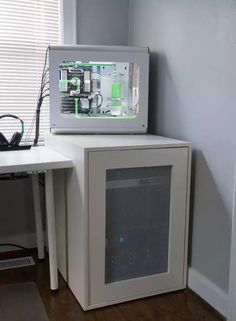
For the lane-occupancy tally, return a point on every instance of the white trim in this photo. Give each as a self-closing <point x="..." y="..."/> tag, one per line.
<point x="61" y="22"/>
<point x="27" y="240"/>
<point x="68" y="24"/>
<point x="74" y="20"/>
<point x="232" y="275"/>
<point x="208" y="291"/>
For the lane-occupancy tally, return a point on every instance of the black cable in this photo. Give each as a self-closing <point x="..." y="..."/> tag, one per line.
<point x="45" y="79"/>
<point x="45" y="90"/>
<point x="90" y="103"/>
<point x="99" y="105"/>
<point x="45" y="96"/>
<point x="47" y="82"/>
<point x="83" y="110"/>
<point x="13" y="176"/>
<point x="44" y="67"/>
<point x="41" y="97"/>
<point x="37" y="120"/>
<point x="15" y="245"/>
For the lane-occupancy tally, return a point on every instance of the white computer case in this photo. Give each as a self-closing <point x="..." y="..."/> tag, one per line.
<point x="116" y="112"/>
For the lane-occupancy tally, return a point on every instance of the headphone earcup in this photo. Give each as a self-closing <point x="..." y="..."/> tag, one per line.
<point x="16" y="138"/>
<point x="3" y="140"/>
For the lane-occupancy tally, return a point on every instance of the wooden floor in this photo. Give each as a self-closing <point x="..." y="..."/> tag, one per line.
<point x="178" y="306"/>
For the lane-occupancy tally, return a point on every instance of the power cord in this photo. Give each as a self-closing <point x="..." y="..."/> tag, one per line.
<point x="15" y="245"/>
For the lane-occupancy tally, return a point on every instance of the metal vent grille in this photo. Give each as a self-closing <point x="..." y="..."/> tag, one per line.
<point x="16" y="263"/>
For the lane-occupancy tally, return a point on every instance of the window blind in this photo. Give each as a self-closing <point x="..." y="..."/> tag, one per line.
<point x="27" y="27"/>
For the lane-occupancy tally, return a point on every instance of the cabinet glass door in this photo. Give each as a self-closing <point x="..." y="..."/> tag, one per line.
<point x="137" y="223"/>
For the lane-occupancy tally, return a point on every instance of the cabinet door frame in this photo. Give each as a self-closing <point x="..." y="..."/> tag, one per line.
<point x="99" y="161"/>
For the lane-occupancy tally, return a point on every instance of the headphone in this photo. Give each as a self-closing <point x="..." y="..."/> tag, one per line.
<point x="16" y="137"/>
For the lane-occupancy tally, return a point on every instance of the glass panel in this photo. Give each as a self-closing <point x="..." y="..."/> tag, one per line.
<point x="99" y="89"/>
<point x="137" y="222"/>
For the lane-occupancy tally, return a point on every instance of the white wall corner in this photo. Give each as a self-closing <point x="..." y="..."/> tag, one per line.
<point x="232" y="274"/>
<point x="208" y="291"/>
<point x="68" y="25"/>
<point x="130" y="23"/>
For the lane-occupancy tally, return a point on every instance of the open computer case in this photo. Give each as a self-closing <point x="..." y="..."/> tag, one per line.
<point x="98" y="89"/>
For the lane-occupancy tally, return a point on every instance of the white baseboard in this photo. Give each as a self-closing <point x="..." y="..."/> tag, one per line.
<point x="208" y="291"/>
<point x="27" y="240"/>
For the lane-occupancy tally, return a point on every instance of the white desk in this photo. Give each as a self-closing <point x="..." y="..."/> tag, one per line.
<point x="33" y="161"/>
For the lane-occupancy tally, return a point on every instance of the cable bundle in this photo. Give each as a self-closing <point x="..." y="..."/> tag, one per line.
<point x="43" y="93"/>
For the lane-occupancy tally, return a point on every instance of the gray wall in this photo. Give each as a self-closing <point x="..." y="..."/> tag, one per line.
<point x="16" y="212"/>
<point x="102" y="22"/>
<point x="192" y="96"/>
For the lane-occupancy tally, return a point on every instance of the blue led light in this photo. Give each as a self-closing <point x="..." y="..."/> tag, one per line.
<point x="121" y="239"/>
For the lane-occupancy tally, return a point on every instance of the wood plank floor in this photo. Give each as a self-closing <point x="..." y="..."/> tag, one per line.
<point x="179" y="306"/>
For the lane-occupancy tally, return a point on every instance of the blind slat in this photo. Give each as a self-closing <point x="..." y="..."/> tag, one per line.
<point x="27" y="27"/>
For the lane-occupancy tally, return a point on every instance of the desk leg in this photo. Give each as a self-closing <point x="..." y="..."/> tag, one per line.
<point x="38" y="216"/>
<point x="51" y="230"/>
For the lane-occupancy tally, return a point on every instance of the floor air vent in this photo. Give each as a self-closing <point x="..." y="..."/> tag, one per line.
<point x="16" y="263"/>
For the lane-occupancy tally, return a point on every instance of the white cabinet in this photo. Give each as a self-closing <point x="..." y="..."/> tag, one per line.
<point x="127" y="216"/>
